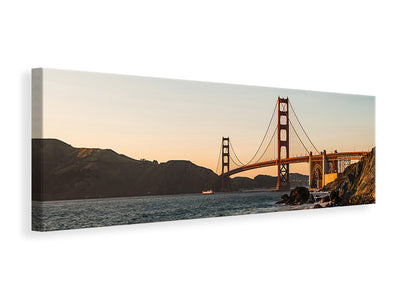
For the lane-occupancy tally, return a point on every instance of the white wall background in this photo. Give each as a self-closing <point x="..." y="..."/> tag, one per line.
<point x="340" y="253"/>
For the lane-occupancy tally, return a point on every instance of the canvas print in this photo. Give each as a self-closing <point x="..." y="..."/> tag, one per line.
<point x="116" y="149"/>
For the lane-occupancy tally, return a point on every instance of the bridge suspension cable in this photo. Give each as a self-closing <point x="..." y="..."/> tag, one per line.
<point x="265" y="135"/>
<point x="266" y="148"/>
<point x="219" y="159"/>
<point x="298" y="136"/>
<point x="234" y="161"/>
<point x="291" y="106"/>
<point x="234" y="153"/>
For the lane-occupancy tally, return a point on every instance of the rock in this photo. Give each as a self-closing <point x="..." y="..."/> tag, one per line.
<point x="336" y="199"/>
<point x="298" y="196"/>
<point x="285" y="199"/>
<point x="341" y="202"/>
<point x="311" y="199"/>
<point x="318" y="206"/>
<point x="325" y="199"/>
<point x="333" y="195"/>
<point x="356" y="200"/>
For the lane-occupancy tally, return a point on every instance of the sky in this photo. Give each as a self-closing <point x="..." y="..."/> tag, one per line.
<point x="169" y="119"/>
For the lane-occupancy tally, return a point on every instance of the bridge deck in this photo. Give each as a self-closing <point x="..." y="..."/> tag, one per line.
<point x="299" y="159"/>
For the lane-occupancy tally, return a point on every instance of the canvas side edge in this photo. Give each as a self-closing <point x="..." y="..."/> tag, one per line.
<point x="37" y="154"/>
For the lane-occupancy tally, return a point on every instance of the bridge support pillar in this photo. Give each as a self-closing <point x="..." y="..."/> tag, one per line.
<point x="283" y="182"/>
<point x="225" y="182"/>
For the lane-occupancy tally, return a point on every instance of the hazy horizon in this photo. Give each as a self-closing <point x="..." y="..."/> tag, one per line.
<point x="168" y="119"/>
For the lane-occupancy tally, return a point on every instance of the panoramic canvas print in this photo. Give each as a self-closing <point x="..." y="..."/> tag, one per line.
<point x="116" y="149"/>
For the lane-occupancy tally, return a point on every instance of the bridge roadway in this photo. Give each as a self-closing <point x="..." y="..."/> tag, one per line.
<point x="298" y="159"/>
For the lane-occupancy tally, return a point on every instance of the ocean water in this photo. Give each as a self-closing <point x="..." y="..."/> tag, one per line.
<point x="72" y="214"/>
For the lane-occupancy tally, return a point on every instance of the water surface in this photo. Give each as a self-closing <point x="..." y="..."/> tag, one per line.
<point x="71" y="214"/>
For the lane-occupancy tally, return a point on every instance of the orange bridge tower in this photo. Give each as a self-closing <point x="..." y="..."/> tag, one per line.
<point x="225" y="183"/>
<point x="283" y="182"/>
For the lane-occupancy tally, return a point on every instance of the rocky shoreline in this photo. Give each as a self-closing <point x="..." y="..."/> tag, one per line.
<point x="355" y="186"/>
<point x="301" y="195"/>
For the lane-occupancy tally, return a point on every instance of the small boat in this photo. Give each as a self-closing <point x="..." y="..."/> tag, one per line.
<point x="209" y="192"/>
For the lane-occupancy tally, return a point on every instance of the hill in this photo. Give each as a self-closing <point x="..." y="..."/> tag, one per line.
<point x="266" y="181"/>
<point x="60" y="171"/>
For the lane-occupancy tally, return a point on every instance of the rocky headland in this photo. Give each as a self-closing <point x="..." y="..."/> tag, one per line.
<point x="356" y="185"/>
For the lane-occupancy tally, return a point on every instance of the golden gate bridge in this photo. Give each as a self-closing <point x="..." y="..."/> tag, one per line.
<point x="323" y="167"/>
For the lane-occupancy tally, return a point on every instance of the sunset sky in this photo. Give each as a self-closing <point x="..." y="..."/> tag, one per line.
<point x="166" y="119"/>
